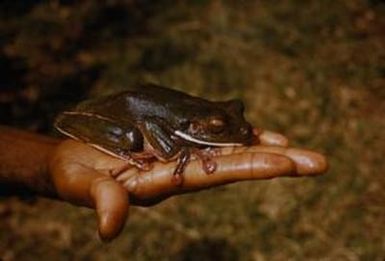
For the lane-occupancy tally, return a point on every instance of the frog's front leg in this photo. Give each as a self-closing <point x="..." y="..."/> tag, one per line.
<point x="164" y="146"/>
<point x="182" y="162"/>
<point x="206" y="156"/>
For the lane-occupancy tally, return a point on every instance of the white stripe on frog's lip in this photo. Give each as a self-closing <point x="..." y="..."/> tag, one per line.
<point x="192" y="139"/>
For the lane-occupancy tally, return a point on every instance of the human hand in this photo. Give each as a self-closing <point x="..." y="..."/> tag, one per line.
<point x="83" y="176"/>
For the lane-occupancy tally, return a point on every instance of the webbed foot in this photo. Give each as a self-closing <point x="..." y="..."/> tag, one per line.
<point x="144" y="165"/>
<point x="206" y="156"/>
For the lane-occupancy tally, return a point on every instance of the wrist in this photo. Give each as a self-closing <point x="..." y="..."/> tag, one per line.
<point x="24" y="161"/>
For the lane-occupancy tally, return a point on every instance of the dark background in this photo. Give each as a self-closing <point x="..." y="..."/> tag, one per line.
<point x="312" y="70"/>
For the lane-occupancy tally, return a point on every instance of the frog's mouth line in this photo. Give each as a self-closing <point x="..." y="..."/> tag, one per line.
<point x="208" y="143"/>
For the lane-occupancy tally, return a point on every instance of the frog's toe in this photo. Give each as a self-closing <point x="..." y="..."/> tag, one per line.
<point x="177" y="179"/>
<point x="209" y="166"/>
<point x="117" y="171"/>
<point x="143" y="165"/>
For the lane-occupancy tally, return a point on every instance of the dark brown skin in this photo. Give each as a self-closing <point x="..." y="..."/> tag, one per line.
<point x="77" y="173"/>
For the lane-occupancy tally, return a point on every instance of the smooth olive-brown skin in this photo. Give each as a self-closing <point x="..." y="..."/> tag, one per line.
<point x="154" y="121"/>
<point x="121" y="123"/>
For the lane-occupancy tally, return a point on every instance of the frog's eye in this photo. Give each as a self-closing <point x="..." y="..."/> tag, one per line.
<point x="216" y="125"/>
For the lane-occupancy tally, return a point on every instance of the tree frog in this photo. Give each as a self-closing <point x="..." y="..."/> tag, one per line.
<point x="157" y="122"/>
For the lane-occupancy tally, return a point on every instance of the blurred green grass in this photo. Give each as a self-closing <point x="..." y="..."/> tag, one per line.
<point x="312" y="70"/>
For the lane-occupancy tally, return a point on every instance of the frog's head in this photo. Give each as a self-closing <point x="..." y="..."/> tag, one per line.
<point x="215" y="124"/>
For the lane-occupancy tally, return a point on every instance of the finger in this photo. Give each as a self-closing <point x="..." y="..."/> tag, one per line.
<point x="308" y="163"/>
<point x="270" y="138"/>
<point x="158" y="182"/>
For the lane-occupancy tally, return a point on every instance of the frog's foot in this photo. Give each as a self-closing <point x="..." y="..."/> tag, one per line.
<point x="119" y="170"/>
<point x="256" y="136"/>
<point x="143" y="165"/>
<point x="206" y="157"/>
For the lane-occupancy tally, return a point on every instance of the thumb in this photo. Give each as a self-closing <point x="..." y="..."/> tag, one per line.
<point x="111" y="204"/>
<point x="84" y="186"/>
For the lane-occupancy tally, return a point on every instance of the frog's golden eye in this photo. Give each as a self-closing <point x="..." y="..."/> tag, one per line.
<point x="216" y="125"/>
<point x="194" y="127"/>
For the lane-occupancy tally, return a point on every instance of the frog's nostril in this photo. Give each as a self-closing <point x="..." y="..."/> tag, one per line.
<point x="184" y="124"/>
<point x="244" y="131"/>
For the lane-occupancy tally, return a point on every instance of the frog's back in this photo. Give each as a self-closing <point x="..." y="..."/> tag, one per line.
<point x="155" y="100"/>
<point x="160" y="95"/>
<point x="143" y="101"/>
